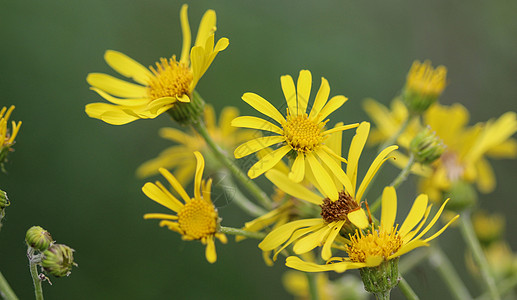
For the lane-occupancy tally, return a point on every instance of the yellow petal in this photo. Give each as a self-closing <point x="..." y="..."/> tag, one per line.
<point x="115" y="86"/>
<point x="211" y="255"/>
<point x="160" y="216"/>
<point x="372" y="261"/>
<point x="356" y="148"/>
<point x="326" y="251"/>
<point x="124" y="101"/>
<point x="128" y="67"/>
<point x="199" y="174"/>
<point x="281" y="234"/>
<point x="389" y="207"/>
<point x="185" y="30"/>
<point x="298" y="169"/>
<point x="311" y="241"/>
<point x="175" y="184"/>
<point x="256" y="123"/>
<point x="415" y="214"/>
<point x="268" y="162"/>
<point x="263" y="106"/>
<point x="298" y="264"/>
<point x="209" y="115"/>
<point x="174" y="226"/>
<point x="303" y="90"/>
<point x="372" y="170"/>
<point x="336" y="170"/>
<point x="296" y="190"/>
<point x="358" y="218"/>
<point x="340" y="128"/>
<point x="110" y="114"/>
<point x="321" y="98"/>
<point x="333" y="104"/>
<point x="289" y="93"/>
<point x="441" y="230"/>
<point x="408" y="247"/>
<point x="485" y="176"/>
<point x="175" y="135"/>
<point x="322" y="177"/>
<point x="155" y="193"/>
<point x="206" y="27"/>
<point x="256" y="145"/>
<point x="227" y="115"/>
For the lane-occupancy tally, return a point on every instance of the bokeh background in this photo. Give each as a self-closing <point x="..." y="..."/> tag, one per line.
<point x="75" y="176"/>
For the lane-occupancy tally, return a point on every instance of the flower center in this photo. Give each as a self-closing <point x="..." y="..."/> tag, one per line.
<point x="171" y="79"/>
<point x="374" y="243"/>
<point x="198" y="219"/>
<point x="302" y="134"/>
<point x="338" y="210"/>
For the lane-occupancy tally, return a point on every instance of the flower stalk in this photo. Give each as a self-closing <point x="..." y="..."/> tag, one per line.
<point x="6" y="292"/>
<point x="443" y="265"/>
<point x="234" y="194"/>
<point x="237" y="231"/>
<point x="406" y="289"/>
<point x="36" y="280"/>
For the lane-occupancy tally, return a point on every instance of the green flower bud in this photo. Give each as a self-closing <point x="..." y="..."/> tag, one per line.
<point x="4" y="201"/>
<point x="426" y="146"/>
<point x="186" y="113"/>
<point x="38" y="238"/>
<point x="58" y="260"/>
<point x="382" y="279"/>
<point x="462" y="194"/>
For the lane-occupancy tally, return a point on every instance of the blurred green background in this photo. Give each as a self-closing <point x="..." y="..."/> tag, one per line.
<point x="75" y="177"/>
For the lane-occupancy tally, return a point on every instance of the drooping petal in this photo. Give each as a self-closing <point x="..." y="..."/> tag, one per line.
<point x="303" y="87"/>
<point x="311" y="241"/>
<point x="268" y="162"/>
<point x="296" y="190"/>
<point x="199" y="174"/>
<point x="111" y="114"/>
<point x="257" y="144"/>
<point x="322" y="177"/>
<point x="298" y="264"/>
<point x="124" y="101"/>
<point x="211" y="255"/>
<point x="389" y="207"/>
<point x="298" y="169"/>
<point x="281" y="234"/>
<point x="128" y="67"/>
<point x="263" y="106"/>
<point x="256" y="123"/>
<point x="115" y="86"/>
<point x="326" y="252"/>
<point x="358" y="218"/>
<point x="336" y="169"/>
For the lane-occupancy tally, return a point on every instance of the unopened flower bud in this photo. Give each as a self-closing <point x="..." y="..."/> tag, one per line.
<point x="58" y="260"/>
<point x="380" y="280"/>
<point x="462" y="195"/>
<point x="424" y="84"/>
<point x="186" y="113"/>
<point x="4" y="201"/>
<point x="38" y="238"/>
<point x="426" y="146"/>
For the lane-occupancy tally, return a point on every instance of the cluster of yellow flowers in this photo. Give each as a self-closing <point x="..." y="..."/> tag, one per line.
<point x="319" y="218"/>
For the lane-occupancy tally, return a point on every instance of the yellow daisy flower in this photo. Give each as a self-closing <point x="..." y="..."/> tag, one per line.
<point x="385" y="242"/>
<point x="301" y="134"/>
<point x="179" y="157"/>
<point x="424" y="84"/>
<point x="158" y="88"/>
<point x="197" y="218"/>
<point x="340" y="205"/>
<point x="7" y="136"/>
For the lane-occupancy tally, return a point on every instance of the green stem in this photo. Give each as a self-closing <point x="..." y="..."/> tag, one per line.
<point x="233" y="193"/>
<point x="234" y="169"/>
<point x="38" y="290"/>
<point x="313" y="285"/>
<point x="236" y="231"/>
<point x="406" y="289"/>
<point x="467" y="230"/>
<point x="383" y="295"/>
<point x="403" y="175"/>
<point x="503" y="287"/>
<point x="443" y="265"/>
<point x="5" y="289"/>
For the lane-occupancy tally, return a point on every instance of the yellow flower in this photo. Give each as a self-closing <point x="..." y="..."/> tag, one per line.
<point x="340" y="205"/>
<point x="159" y="88"/>
<point x="301" y="134"/>
<point x="424" y="85"/>
<point x="179" y="157"/>
<point x="197" y="218"/>
<point x="383" y="243"/>
<point x="7" y="136"/>
<point x="488" y="227"/>
<point x="466" y="147"/>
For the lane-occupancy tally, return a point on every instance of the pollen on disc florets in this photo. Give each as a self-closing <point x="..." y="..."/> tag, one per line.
<point x="338" y="210"/>
<point x="171" y="79"/>
<point x="303" y="134"/>
<point x="375" y="243"/>
<point x="198" y="219"/>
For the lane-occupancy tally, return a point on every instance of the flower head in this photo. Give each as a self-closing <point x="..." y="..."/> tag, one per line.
<point x="7" y="136"/>
<point x="383" y="243"/>
<point x="158" y="87"/>
<point x="196" y="218"/>
<point x="179" y="157"/>
<point x="424" y="84"/>
<point x="300" y="133"/>
<point x="340" y="204"/>
<point x="58" y="260"/>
